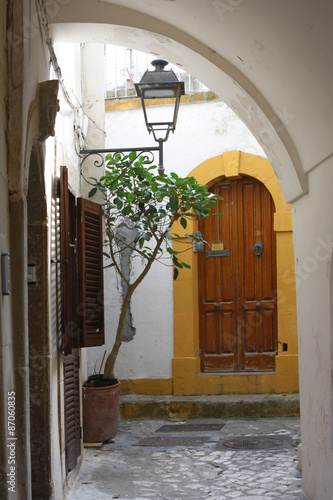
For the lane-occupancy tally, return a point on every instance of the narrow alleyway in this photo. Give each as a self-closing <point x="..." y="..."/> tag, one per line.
<point x="171" y="460"/>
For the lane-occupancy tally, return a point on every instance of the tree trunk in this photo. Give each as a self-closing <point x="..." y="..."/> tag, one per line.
<point x="111" y="359"/>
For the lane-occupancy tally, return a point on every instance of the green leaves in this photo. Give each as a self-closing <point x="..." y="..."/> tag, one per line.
<point x="174" y="202"/>
<point x="132" y="156"/>
<point x="183" y="222"/>
<point x="151" y="203"/>
<point x="130" y="197"/>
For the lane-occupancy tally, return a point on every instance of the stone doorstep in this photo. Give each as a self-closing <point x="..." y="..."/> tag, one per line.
<point x="138" y="406"/>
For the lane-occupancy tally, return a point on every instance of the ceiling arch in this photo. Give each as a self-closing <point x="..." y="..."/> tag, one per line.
<point x="266" y="60"/>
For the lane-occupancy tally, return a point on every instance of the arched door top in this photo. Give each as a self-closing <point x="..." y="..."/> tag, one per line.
<point x="234" y="165"/>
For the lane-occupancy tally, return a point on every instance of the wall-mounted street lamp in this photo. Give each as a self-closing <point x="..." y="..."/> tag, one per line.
<point x="160" y="84"/>
<point x="157" y="84"/>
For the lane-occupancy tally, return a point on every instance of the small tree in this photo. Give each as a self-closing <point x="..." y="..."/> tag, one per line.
<point x="151" y="204"/>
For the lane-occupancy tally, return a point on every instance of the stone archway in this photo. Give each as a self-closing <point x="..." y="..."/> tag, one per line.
<point x="187" y="376"/>
<point x="137" y="29"/>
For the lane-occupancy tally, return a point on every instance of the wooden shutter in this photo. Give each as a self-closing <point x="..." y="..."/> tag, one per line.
<point x="65" y="271"/>
<point x="72" y="409"/>
<point x="90" y="264"/>
<point x="68" y="267"/>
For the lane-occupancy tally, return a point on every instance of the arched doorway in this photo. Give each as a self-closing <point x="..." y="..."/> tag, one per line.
<point x="281" y="357"/>
<point x="237" y="280"/>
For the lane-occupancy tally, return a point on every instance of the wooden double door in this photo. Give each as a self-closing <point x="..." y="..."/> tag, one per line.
<point x="237" y="281"/>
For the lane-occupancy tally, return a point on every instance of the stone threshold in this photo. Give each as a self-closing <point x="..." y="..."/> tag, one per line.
<point x="138" y="406"/>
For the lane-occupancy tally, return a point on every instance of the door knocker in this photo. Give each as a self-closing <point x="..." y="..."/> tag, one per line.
<point x="258" y="248"/>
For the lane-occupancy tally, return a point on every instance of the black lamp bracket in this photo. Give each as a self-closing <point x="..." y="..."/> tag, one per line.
<point x="99" y="162"/>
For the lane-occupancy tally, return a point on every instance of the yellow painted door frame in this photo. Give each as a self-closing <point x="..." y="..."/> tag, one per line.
<point x="187" y="376"/>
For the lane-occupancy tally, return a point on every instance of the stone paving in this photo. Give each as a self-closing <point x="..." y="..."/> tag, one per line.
<point x="122" y="471"/>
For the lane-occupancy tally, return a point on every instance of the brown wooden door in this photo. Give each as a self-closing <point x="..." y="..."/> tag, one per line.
<point x="237" y="281"/>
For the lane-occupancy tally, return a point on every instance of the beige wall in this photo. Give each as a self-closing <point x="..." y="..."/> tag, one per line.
<point x="312" y="218"/>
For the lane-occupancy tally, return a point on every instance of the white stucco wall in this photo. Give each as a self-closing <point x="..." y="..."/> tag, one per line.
<point x="69" y="59"/>
<point x="313" y="236"/>
<point x="204" y="130"/>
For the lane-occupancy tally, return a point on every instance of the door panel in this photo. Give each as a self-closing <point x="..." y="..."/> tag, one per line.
<point x="237" y="281"/>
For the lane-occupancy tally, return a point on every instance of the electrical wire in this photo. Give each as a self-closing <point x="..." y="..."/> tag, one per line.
<point x="78" y="133"/>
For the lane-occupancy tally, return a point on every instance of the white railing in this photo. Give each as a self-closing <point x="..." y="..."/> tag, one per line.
<point x="124" y="66"/>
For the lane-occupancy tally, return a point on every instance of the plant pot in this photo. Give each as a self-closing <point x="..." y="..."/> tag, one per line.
<point x="100" y="409"/>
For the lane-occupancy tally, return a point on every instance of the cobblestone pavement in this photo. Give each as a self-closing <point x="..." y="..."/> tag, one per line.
<point x="200" y="471"/>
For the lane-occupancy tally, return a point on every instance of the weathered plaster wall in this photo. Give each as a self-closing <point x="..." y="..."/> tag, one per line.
<point x="313" y="234"/>
<point x="68" y="121"/>
<point x="92" y="58"/>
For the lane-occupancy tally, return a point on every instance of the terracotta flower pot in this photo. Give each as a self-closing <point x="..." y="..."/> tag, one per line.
<point x="100" y="410"/>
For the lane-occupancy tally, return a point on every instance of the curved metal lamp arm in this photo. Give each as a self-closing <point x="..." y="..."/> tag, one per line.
<point x="100" y="160"/>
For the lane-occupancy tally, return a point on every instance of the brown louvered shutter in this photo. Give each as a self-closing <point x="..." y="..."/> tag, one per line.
<point x="65" y="269"/>
<point x="69" y="324"/>
<point x="72" y="409"/>
<point x="90" y="263"/>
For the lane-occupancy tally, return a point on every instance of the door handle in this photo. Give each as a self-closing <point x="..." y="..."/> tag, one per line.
<point x="258" y="248"/>
<point x="73" y="245"/>
<point x="218" y="306"/>
<point x="259" y="305"/>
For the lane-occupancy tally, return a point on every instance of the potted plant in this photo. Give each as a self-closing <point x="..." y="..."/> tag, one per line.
<point x="150" y="204"/>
